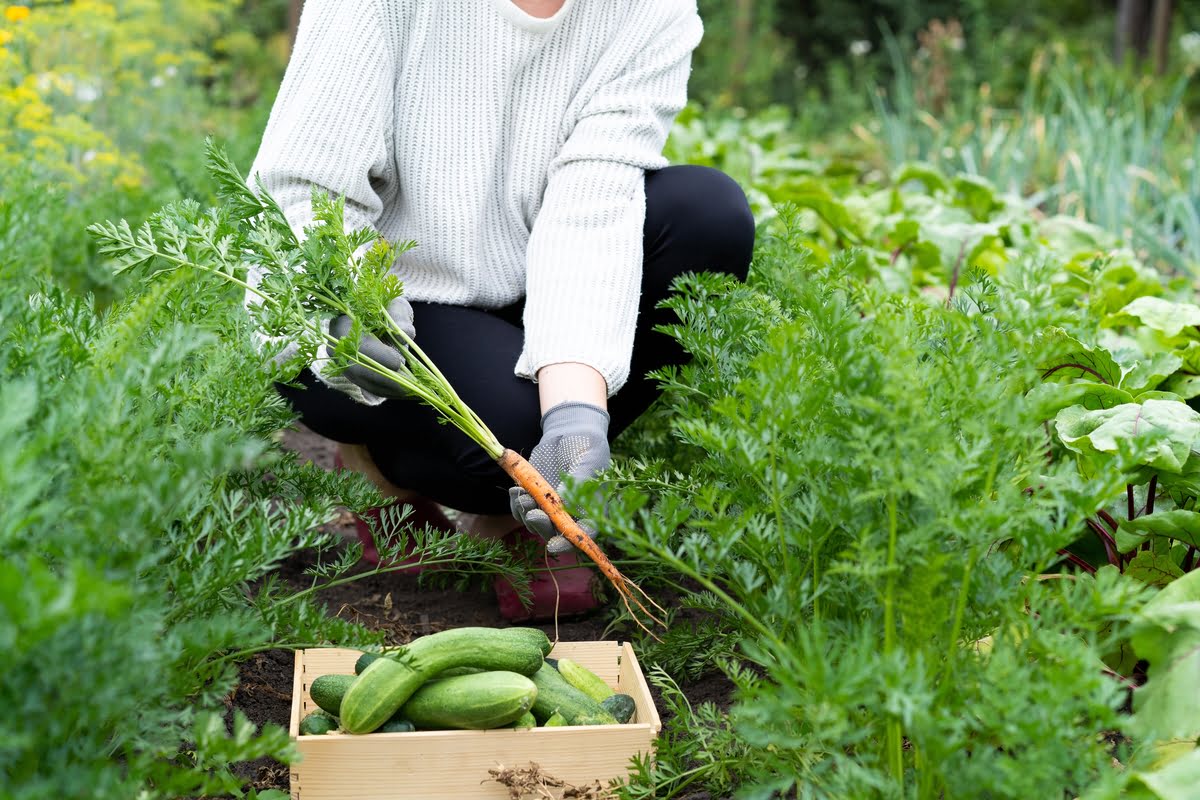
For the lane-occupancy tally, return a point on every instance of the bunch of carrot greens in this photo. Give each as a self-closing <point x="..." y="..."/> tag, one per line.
<point x="299" y="284"/>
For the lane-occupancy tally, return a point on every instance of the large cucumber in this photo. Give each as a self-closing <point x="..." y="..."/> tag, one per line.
<point x="366" y="658"/>
<point x="532" y="636"/>
<point x="584" y="679"/>
<point x="555" y="694"/>
<point x="387" y="683"/>
<point x="475" y="702"/>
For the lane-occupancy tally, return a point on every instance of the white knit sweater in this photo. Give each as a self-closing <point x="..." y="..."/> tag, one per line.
<point x="511" y="148"/>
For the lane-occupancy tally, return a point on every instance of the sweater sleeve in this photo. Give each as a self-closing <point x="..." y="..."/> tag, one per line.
<point x="584" y="258"/>
<point x="331" y="128"/>
<point x="331" y="124"/>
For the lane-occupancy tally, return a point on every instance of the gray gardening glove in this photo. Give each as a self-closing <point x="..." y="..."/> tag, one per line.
<point x="574" y="442"/>
<point x="386" y="352"/>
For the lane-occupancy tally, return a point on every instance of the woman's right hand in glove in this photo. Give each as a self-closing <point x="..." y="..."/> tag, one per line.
<point x="385" y="351"/>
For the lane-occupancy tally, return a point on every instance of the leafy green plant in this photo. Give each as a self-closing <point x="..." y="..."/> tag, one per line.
<point x="146" y="508"/>
<point x="868" y="502"/>
<point x="699" y="748"/>
<point x="1085" y="140"/>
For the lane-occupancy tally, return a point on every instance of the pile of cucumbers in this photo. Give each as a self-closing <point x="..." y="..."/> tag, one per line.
<point x="464" y="679"/>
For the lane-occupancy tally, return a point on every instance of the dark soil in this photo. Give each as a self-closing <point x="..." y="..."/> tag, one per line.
<point x="398" y="605"/>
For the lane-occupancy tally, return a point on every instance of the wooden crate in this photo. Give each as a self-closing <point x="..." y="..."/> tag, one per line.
<point x="431" y="765"/>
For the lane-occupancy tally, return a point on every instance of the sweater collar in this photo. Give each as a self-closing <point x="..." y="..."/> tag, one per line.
<point x="508" y="9"/>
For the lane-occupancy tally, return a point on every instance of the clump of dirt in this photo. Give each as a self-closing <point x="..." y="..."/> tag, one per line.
<point x="530" y="783"/>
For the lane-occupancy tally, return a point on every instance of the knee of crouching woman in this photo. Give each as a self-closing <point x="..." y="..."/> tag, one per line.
<point x="703" y="214"/>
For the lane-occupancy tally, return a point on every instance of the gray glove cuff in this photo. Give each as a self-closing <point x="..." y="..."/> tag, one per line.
<point x="575" y="417"/>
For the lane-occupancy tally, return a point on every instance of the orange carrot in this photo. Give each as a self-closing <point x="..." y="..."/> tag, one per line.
<point x="529" y="479"/>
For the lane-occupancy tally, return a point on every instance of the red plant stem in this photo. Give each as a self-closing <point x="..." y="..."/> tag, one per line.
<point x="1129" y="497"/>
<point x="1113" y="526"/>
<point x="1110" y="544"/>
<point x="1077" y="561"/>
<point x="1127" y="682"/>
<point x="1189" y="560"/>
<point x="1079" y="367"/>
<point x="1153" y="490"/>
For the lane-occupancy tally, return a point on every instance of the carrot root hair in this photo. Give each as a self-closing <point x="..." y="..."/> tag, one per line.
<point x="632" y="596"/>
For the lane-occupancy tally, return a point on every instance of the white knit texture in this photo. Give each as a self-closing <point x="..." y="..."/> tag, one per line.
<point x="512" y="149"/>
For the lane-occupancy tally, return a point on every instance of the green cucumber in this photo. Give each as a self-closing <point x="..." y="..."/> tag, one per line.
<point x="555" y="720"/>
<point x="621" y="706"/>
<point x="396" y="724"/>
<point x="387" y="683"/>
<point x="473" y="702"/>
<point x="555" y="694"/>
<point x="584" y="679"/>
<point x="327" y="691"/>
<point x="526" y="720"/>
<point x="532" y="636"/>
<point x="317" y="723"/>
<point x="366" y="658"/>
<point x="364" y="661"/>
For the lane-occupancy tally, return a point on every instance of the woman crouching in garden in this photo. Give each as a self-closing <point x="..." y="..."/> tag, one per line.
<point x="519" y="144"/>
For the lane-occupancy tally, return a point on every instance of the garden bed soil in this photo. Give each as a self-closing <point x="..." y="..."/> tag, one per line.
<point x="399" y="605"/>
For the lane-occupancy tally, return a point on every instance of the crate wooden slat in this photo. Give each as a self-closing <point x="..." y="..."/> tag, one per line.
<point x="438" y="765"/>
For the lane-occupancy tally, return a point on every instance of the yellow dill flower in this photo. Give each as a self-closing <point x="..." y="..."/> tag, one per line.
<point x="16" y="13"/>
<point x="5" y="37"/>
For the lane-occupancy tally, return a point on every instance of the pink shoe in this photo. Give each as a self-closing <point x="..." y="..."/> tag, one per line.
<point x="573" y="591"/>
<point x="424" y="512"/>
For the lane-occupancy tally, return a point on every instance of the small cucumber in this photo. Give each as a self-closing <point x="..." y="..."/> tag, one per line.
<point x="621" y="706"/>
<point x="555" y="694"/>
<point x="364" y="661"/>
<point x="317" y="723"/>
<point x="584" y="679"/>
<point x="526" y="720"/>
<point x="472" y="702"/>
<point x="396" y="724"/>
<point x="327" y="691"/>
<point x="555" y="720"/>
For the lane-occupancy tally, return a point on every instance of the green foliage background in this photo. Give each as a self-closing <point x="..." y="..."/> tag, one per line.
<point x="843" y="472"/>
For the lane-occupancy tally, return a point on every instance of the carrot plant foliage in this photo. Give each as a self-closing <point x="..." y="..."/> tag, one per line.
<point x="146" y="508"/>
<point x="868" y="505"/>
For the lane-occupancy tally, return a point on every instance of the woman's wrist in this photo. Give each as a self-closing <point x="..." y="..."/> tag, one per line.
<point x="571" y="381"/>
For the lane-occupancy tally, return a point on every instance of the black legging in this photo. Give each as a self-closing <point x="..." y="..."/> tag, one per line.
<point x="697" y="219"/>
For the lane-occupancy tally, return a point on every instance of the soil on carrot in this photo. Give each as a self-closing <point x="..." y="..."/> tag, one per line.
<point x="398" y="605"/>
